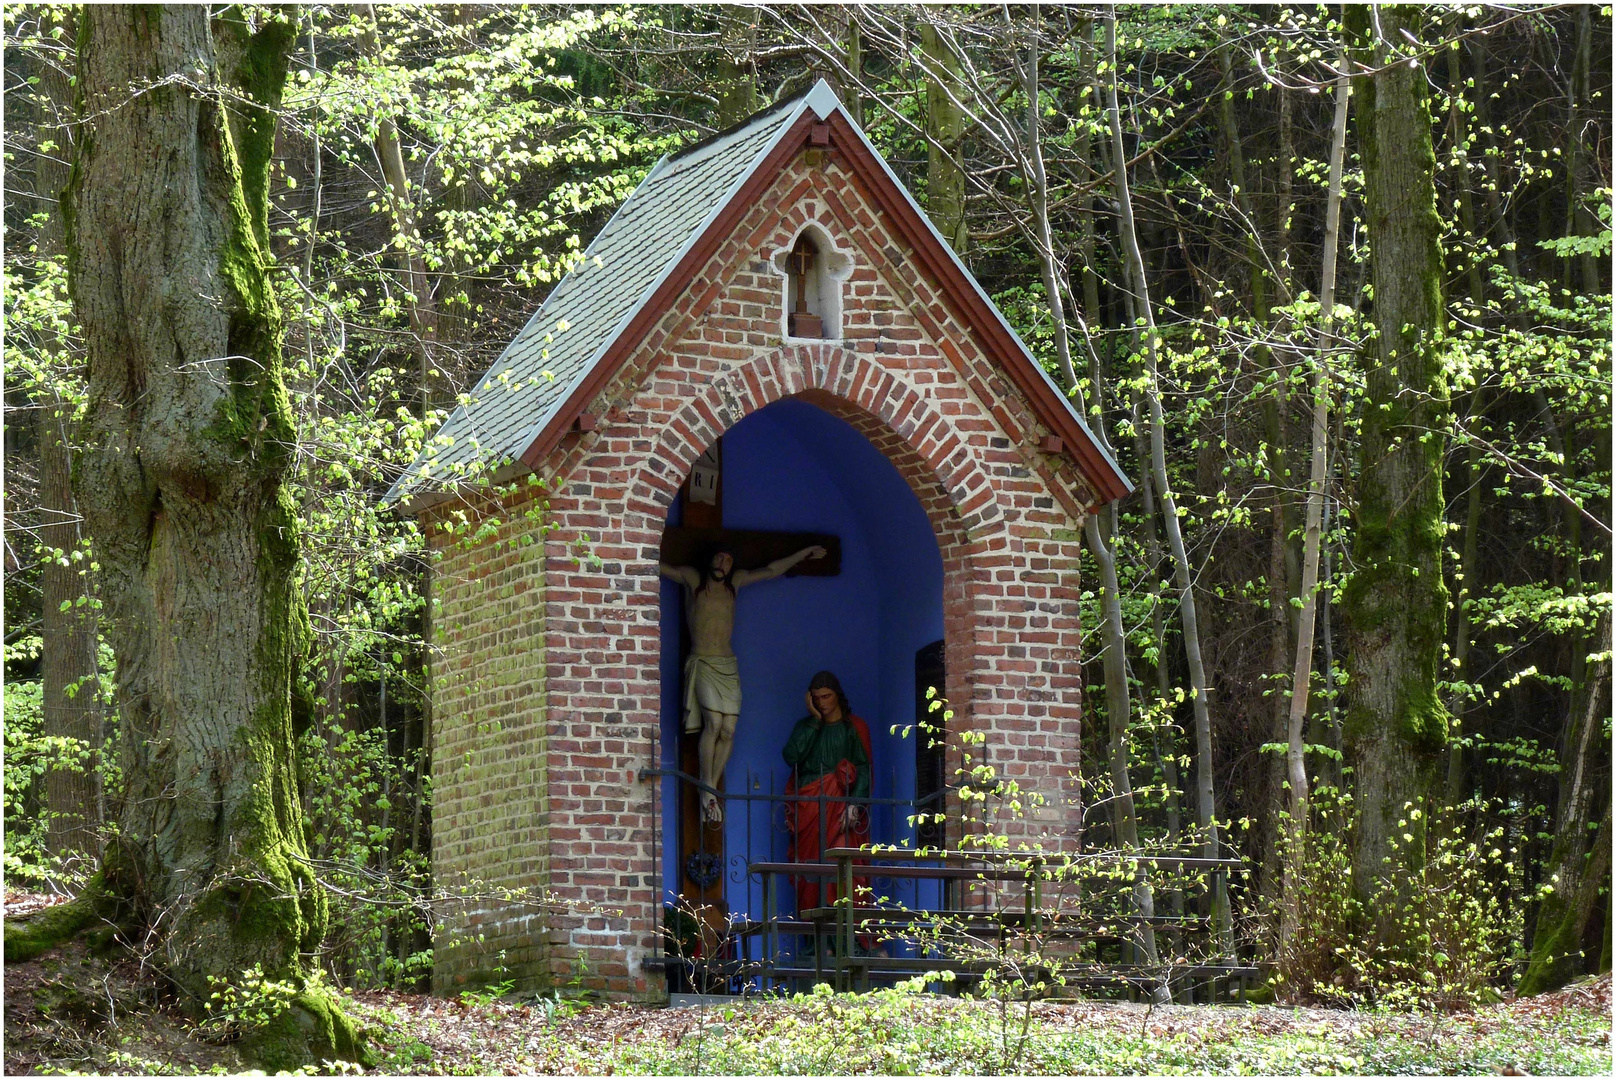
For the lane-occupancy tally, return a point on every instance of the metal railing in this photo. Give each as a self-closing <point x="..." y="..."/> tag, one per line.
<point x="767" y="943"/>
<point x="756" y="829"/>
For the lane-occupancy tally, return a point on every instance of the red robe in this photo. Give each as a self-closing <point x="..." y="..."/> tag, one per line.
<point x="803" y="819"/>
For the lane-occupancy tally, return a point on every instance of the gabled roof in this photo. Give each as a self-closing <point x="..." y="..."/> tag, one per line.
<point x="655" y="243"/>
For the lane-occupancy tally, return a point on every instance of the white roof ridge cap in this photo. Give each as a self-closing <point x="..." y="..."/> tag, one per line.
<point x="823" y="99"/>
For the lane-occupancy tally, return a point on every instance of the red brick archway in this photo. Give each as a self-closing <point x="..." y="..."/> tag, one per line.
<point x="950" y="485"/>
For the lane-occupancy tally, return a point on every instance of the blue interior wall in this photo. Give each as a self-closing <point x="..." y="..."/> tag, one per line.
<point x="792" y="467"/>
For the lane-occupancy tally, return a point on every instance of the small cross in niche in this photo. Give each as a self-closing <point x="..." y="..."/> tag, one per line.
<point x="801" y="322"/>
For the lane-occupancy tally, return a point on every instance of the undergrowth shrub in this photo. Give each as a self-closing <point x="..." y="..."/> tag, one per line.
<point x="238" y="1007"/>
<point x="30" y="755"/>
<point x="1441" y="932"/>
<point x="366" y="834"/>
<point x="27" y="758"/>
<point x="1090" y="908"/>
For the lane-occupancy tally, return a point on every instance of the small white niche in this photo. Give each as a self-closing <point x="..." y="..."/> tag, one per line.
<point x="813" y="269"/>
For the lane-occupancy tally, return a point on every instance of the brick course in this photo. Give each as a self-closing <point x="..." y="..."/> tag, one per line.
<point x="547" y="623"/>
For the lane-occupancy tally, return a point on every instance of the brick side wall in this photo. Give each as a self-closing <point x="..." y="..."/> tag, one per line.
<point x="908" y="376"/>
<point x="489" y="743"/>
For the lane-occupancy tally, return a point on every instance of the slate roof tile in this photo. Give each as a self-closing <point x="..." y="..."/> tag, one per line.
<point x="581" y="316"/>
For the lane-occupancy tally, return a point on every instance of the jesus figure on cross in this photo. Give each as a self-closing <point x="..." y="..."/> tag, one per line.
<point x="712" y="674"/>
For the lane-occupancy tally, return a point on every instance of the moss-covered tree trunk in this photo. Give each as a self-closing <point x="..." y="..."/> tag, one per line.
<point x="70" y="694"/>
<point x="188" y="442"/>
<point x="1396" y="601"/>
<point x="735" y="75"/>
<point x="851" y="88"/>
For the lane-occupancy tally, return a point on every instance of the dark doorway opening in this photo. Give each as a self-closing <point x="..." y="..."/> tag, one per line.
<point x="929" y="759"/>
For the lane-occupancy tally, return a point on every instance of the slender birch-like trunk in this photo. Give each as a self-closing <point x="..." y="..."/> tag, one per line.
<point x="1464" y="576"/>
<point x="1302" y="677"/>
<point x="1205" y="806"/>
<point x="1114" y="656"/>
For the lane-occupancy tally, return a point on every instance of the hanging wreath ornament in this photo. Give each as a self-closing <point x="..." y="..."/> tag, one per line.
<point x="704" y="868"/>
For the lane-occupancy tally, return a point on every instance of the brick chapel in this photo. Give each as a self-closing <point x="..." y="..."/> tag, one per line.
<point x="767" y="348"/>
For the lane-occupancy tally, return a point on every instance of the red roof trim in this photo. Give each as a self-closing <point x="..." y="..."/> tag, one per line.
<point x="980" y="319"/>
<point x="657" y="306"/>
<point x="985" y="323"/>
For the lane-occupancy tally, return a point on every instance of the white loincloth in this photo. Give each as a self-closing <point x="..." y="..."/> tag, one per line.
<point x="712" y="683"/>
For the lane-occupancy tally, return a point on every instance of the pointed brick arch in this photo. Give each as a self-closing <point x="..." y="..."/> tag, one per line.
<point x="909" y="430"/>
<point x="950" y="485"/>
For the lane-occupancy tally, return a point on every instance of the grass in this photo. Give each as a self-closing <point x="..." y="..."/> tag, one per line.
<point x="73" y="1010"/>
<point x="902" y="1034"/>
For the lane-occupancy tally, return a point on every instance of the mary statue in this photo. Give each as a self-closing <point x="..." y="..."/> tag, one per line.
<point x="829" y="755"/>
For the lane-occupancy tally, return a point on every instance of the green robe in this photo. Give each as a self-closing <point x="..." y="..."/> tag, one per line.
<point x="816" y="748"/>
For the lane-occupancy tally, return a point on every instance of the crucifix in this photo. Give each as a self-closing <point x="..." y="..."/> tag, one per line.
<point x="713" y="563"/>
<point x="800" y="263"/>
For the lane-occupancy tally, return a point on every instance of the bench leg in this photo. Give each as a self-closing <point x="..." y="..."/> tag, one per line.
<point x="819" y="953"/>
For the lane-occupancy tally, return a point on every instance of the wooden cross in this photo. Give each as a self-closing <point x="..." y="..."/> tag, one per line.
<point x="703" y="530"/>
<point x="690" y="544"/>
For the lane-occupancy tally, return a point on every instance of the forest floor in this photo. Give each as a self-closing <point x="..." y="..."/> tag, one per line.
<point x="72" y="1011"/>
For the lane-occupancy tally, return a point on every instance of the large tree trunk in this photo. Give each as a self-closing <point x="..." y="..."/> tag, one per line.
<point x="189" y="439"/>
<point x="1396" y="725"/>
<point x="850" y="92"/>
<point x="1276" y="438"/>
<point x="736" y="66"/>
<point x="1579" y="219"/>
<point x="70" y="694"/>
<point x="70" y="691"/>
<point x="401" y="204"/>
<point x="1466" y="573"/>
